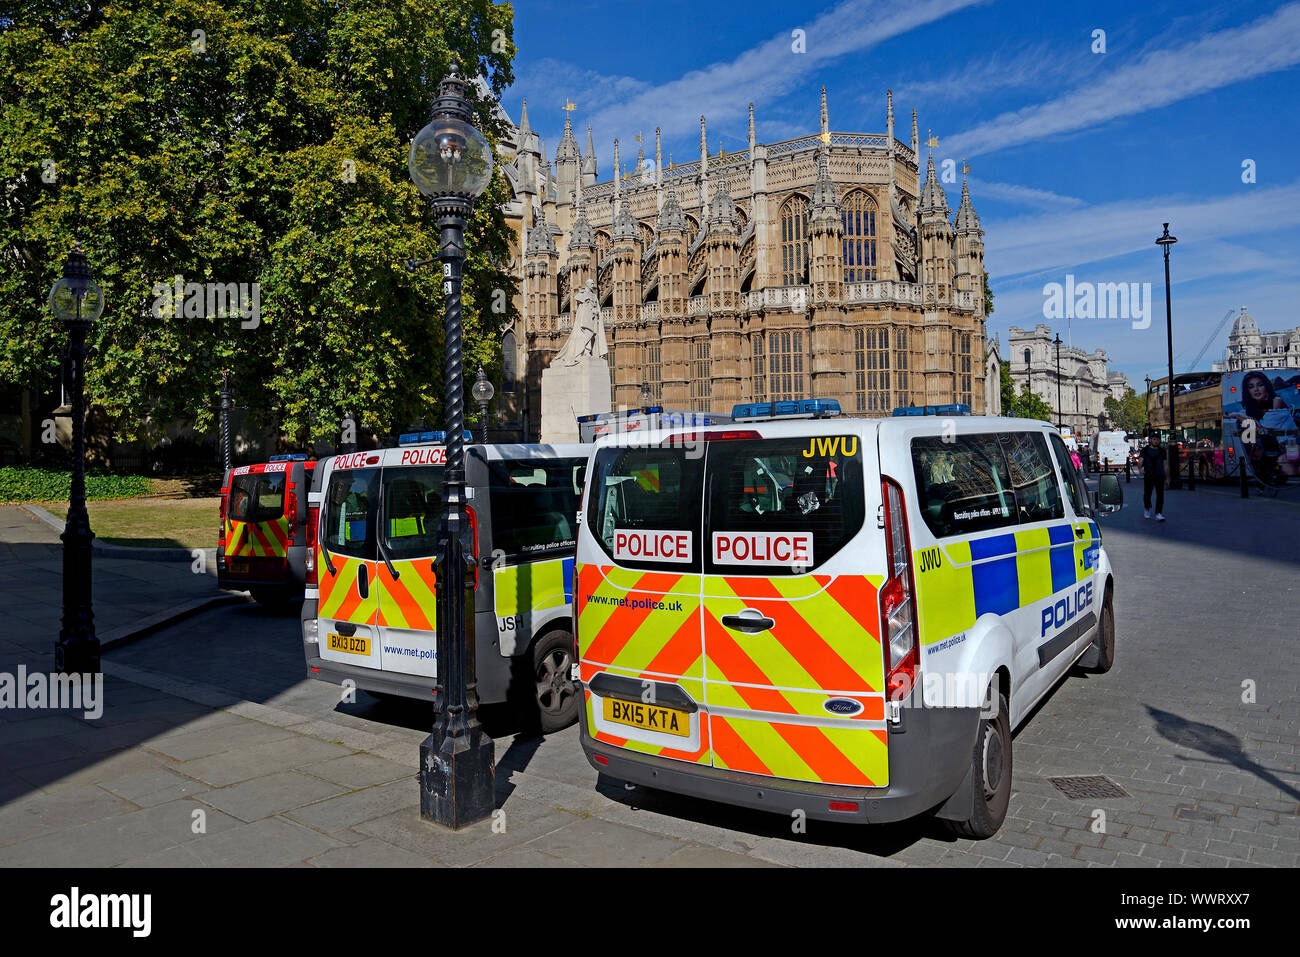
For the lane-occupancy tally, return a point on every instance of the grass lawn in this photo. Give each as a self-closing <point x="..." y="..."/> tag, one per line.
<point x="157" y="523"/>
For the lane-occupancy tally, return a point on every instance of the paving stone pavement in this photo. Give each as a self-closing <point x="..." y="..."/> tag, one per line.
<point x="214" y="750"/>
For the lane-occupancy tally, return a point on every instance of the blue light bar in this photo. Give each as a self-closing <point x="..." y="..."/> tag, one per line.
<point x="956" y="408"/>
<point x="790" y="409"/>
<point x="435" y="436"/>
<point x="295" y="457"/>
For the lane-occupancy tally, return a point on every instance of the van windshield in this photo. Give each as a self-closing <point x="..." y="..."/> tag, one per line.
<point x="257" y="498"/>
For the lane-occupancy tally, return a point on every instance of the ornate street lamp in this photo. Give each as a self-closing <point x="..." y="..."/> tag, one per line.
<point x="1058" y="381"/>
<point x="77" y="301"/>
<point x="1165" y="241"/>
<point x="451" y="164"/>
<point x="646" y="396"/>
<point x="483" y="393"/>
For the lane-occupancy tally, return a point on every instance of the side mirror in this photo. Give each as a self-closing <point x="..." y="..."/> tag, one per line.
<point x="1110" y="494"/>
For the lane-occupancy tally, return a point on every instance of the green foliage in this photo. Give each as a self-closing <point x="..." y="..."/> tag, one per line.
<point x="988" y="297"/>
<point x="1129" y="413"/>
<point x="1025" y="405"/>
<point x="24" y="484"/>
<point x="274" y="151"/>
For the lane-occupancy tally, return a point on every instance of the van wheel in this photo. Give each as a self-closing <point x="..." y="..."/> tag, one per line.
<point x="556" y="694"/>
<point x="990" y="777"/>
<point x="1105" y="640"/>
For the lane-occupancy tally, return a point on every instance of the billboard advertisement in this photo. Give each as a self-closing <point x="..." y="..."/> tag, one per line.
<point x="1261" y="422"/>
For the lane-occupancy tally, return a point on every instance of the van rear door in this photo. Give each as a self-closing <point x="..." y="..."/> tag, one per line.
<point x="345" y="566"/>
<point x="794" y="667"/>
<point x="638" y="602"/>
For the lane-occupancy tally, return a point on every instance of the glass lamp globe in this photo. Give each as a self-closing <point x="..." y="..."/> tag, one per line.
<point x="450" y="158"/>
<point x="483" y="390"/>
<point x="64" y="297"/>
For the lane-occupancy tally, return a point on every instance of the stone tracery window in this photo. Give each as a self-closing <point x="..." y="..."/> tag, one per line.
<point x="859" y="237"/>
<point x="794" y="240"/>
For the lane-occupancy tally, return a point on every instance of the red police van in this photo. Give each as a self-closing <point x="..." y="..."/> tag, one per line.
<point x="262" y="546"/>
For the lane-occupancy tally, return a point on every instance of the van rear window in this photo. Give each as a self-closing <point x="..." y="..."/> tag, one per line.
<point x="782" y="506"/>
<point x="645" y="506"/>
<point x="256" y="498"/>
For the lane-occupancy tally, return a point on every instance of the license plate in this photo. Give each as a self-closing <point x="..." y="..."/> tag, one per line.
<point x="348" y="643"/>
<point x="648" y="717"/>
<point x="237" y="568"/>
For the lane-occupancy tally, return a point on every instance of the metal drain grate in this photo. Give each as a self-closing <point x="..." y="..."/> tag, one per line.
<point x="1088" y="787"/>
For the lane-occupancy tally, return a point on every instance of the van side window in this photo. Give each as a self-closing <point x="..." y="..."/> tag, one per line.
<point x="637" y="491"/>
<point x="782" y="506"/>
<point x="962" y="485"/>
<point x="1033" y="479"/>
<point x="1070" y="476"/>
<point x="348" y="522"/>
<point x="535" y="505"/>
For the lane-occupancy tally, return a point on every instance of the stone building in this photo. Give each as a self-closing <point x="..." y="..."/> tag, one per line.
<point x="1085" y="382"/>
<point x="1248" y="348"/>
<point x="820" y="266"/>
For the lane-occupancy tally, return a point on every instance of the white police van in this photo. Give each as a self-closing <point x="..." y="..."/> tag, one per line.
<point x="803" y="612"/>
<point x="369" y="615"/>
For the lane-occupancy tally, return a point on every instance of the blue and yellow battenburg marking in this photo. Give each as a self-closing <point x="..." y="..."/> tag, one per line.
<point x="532" y="587"/>
<point x="999" y="573"/>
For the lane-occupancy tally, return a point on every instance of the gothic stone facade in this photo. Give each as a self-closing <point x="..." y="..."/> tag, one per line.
<point x="822" y="266"/>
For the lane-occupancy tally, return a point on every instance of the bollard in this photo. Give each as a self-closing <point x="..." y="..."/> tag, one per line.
<point x="1128" y="471"/>
<point x="1245" y="483"/>
<point x="1191" y="475"/>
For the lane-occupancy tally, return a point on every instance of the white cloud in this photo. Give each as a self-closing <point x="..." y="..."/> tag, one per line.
<point x="1022" y="195"/>
<point x="1156" y="79"/>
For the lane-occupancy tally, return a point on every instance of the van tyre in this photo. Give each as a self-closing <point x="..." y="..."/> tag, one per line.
<point x="990" y="777"/>
<point x="1104" y="642"/>
<point x="556" y="695"/>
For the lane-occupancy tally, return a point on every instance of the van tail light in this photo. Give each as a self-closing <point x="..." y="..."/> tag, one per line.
<point x="729" y="435"/>
<point x="291" y="510"/>
<point x="221" y="532"/>
<point x="898" y="627"/>
<point x="313" y="516"/>
<point x="472" y="517"/>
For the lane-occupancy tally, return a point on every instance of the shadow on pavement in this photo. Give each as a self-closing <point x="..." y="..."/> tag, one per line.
<point x="1216" y="743"/>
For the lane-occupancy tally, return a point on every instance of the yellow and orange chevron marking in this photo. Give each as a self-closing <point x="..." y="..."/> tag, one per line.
<point x="340" y="598"/>
<point x="257" y="539"/>
<point x="408" y="601"/>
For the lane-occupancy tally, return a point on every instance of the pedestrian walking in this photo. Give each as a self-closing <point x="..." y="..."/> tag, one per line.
<point x="1078" y="462"/>
<point x="1153" y="476"/>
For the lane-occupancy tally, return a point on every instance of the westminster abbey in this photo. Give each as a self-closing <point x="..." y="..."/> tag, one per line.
<point x="820" y="266"/>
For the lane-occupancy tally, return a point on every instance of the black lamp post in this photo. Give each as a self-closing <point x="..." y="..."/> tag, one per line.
<point x="1165" y="241"/>
<point x="77" y="301"/>
<point x="646" y="396"/>
<point x="1147" y="401"/>
<point x="227" y="396"/>
<point x="483" y="392"/>
<point x="1058" y="381"/>
<point x="451" y="164"/>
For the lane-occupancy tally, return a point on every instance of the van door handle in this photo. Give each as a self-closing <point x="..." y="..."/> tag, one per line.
<point x="749" y="621"/>
<point x="363" y="581"/>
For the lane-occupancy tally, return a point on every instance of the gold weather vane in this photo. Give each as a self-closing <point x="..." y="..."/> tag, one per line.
<point x="569" y="106"/>
<point x="825" y="137"/>
<point x="965" y="167"/>
<point x="930" y="139"/>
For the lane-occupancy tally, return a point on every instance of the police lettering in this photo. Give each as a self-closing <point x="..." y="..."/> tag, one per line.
<point x="1067" y="608"/>
<point x="664" y="546"/>
<point x="355" y="460"/>
<point x="435" y="455"/>
<point x="783" y="548"/>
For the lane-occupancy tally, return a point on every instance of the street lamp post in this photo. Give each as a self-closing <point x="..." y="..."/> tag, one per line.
<point x="1058" y="381"/>
<point x="646" y="396"/>
<point x="483" y="392"/>
<point x="77" y="301"/>
<point x="1165" y="241"/>
<point x="226" y="401"/>
<point x="451" y="163"/>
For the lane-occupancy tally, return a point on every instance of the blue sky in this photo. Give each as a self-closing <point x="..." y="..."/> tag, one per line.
<point x="1076" y="157"/>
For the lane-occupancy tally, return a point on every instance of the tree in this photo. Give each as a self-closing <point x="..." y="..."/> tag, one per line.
<point x="1025" y="405"/>
<point x="243" y="141"/>
<point x="988" y="297"/>
<point x="1129" y="413"/>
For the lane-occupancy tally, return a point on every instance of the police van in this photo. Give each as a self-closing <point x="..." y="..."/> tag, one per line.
<point x="369" y="614"/>
<point x="262" y="544"/>
<point x="835" y="616"/>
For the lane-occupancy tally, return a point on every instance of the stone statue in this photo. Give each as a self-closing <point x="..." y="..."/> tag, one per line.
<point x="587" y="337"/>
